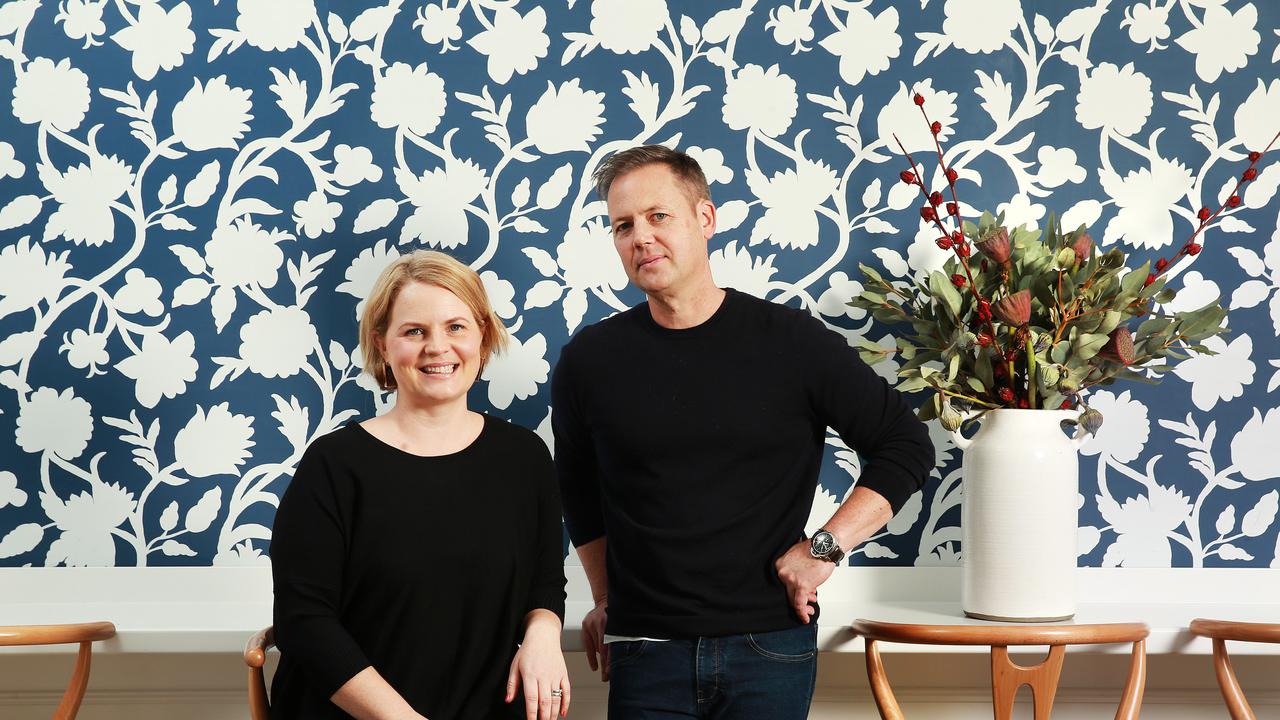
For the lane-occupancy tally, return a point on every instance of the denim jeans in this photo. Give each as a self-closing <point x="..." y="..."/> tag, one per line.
<point x="757" y="676"/>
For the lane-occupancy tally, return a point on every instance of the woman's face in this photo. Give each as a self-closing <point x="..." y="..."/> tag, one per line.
<point x="432" y="344"/>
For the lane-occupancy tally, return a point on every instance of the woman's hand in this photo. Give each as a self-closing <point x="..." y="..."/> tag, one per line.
<point x="539" y="669"/>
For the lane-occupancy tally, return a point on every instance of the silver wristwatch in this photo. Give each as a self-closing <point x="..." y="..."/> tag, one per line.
<point x="823" y="546"/>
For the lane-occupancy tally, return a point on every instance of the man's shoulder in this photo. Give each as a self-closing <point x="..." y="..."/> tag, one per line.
<point x="603" y="333"/>
<point x="767" y="311"/>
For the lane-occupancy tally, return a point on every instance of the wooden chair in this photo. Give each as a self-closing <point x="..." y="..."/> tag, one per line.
<point x="1006" y="676"/>
<point x="255" y="656"/>
<point x="85" y="634"/>
<point x="1220" y="631"/>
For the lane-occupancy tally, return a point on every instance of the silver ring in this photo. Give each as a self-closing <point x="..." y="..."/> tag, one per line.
<point x="557" y="693"/>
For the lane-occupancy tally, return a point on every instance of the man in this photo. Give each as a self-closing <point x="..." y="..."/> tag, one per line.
<point x="689" y="435"/>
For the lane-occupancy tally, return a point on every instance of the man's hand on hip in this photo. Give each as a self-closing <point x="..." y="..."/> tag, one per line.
<point x="802" y="573"/>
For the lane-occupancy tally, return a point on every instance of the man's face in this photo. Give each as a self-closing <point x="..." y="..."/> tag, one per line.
<point x="659" y="230"/>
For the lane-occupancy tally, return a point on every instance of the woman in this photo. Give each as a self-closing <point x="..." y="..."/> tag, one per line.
<point x="417" y="555"/>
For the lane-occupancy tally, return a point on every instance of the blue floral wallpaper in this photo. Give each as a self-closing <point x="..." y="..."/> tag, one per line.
<point x="196" y="197"/>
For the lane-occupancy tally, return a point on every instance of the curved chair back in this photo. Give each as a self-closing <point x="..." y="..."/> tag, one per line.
<point x="1006" y="676"/>
<point x="255" y="656"/>
<point x="84" y="634"/>
<point x="1220" y="631"/>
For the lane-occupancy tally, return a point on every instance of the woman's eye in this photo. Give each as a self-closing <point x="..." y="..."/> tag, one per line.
<point x="413" y="331"/>
<point x="457" y="327"/>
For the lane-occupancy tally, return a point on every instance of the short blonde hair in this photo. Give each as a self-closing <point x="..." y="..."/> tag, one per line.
<point x="431" y="268"/>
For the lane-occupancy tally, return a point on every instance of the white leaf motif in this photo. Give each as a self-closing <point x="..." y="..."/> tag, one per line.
<point x="1259" y="519"/>
<point x="201" y="188"/>
<point x="202" y="514"/>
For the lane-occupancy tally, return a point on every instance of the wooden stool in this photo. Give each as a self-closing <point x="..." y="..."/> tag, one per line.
<point x="1006" y="676"/>
<point x="255" y="656"/>
<point x="1220" y="631"/>
<point x="84" y="633"/>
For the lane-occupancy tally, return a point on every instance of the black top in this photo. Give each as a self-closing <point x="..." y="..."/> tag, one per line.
<point x="697" y="452"/>
<point x="423" y="567"/>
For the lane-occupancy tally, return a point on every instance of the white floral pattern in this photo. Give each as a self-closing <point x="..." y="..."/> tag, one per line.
<point x="195" y="200"/>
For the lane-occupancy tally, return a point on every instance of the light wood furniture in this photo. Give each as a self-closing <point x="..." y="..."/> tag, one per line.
<point x="1220" y="631"/>
<point x="84" y="634"/>
<point x="1006" y="676"/>
<point x="255" y="656"/>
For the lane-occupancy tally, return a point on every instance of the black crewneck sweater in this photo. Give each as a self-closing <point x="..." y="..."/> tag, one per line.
<point x="697" y="452"/>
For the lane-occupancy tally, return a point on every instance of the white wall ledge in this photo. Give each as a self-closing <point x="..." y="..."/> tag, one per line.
<point x="215" y="610"/>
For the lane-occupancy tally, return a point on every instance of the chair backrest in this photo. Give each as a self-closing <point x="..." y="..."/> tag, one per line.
<point x="1220" y="631"/>
<point x="1006" y="676"/>
<point x="84" y="634"/>
<point x="255" y="656"/>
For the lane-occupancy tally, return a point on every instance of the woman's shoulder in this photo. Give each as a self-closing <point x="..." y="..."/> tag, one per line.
<point x="513" y="436"/>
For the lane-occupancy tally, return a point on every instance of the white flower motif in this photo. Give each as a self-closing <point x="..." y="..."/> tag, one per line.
<point x="364" y="271"/>
<point x="60" y="423"/>
<point x="791" y="27"/>
<point x="791" y="199"/>
<point x="517" y="372"/>
<point x="735" y="267"/>
<point x="162" y="368"/>
<point x="1145" y="198"/>
<point x="140" y="293"/>
<point x="214" y="115"/>
<point x="28" y="275"/>
<point x="440" y="197"/>
<point x="316" y="215"/>
<point x="834" y="301"/>
<point x="1223" y="41"/>
<point x="408" y="97"/>
<point x="887" y="368"/>
<point x="588" y="258"/>
<point x="10" y="166"/>
<point x="980" y="26"/>
<point x="501" y="294"/>
<point x="514" y="44"/>
<point x="82" y="19"/>
<point x="1021" y="211"/>
<point x="1143" y="525"/>
<point x="440" y="25"/>
<point x="759" y="99"/>
<point x="159" y="39"/>
<point x="47" y="93"/>
<point x="1114" y="98"/>
<point x="627" y="26"/>
<point x="85" y="194"/>
<point x="711" y="161"/>
<point x="274" y="24"/>
<point x="216" y="443"/>
<point x="565" y="119"/>
<point x="1194" y="293"/>
<point x="241" y="555"/>
<point x="1125" y="427"/>
<point x="900" y="116"/>
<point x="1058" y="167"/>
<point x="1147" y="24"/>
<point x="85" y="350"/>
<point x="354" y="165"/>
<point x="10" y="493"/>
<point x="86" y="522"/>
<point x="865" y="44"/>
<point x="1253" y="449"/>
<point x="1220" y="377"/>
<point x="243" y="254"/>
<point x="277" y="342"/>
<point x="1255" y="118"/>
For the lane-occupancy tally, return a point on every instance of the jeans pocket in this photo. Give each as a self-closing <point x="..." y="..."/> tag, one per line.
<point x="622" y="652"/>
<point x="794" y="645"/>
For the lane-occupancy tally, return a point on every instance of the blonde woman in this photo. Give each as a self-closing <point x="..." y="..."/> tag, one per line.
<point x="417" y="555"/>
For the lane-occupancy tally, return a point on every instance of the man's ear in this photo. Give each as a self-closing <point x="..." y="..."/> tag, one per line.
<point x="707" y="218"/>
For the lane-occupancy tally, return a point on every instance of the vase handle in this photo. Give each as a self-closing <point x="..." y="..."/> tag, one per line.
<point x="961" y="441"/>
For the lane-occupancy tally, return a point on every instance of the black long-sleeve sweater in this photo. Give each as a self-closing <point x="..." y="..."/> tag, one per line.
<point x="697" y="453"/>
<point x="422" y="567"/>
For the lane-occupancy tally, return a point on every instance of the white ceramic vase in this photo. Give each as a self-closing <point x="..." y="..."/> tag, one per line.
<point x="1018" y="516"/>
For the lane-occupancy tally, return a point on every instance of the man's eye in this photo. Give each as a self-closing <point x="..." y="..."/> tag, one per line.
<point x="660" y="216"/>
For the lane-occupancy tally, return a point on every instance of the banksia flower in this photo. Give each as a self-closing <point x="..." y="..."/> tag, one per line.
<point x="1119" y="347"/>
<point x="996" y="246"/>
<point x="1014" y="309"/>
<point x="1083" y="247"/>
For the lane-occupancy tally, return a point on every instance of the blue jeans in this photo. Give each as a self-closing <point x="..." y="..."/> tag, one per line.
<point x="737" y="677"/>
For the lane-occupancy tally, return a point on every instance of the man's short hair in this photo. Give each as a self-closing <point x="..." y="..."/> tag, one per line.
<point x="684" y="167"/>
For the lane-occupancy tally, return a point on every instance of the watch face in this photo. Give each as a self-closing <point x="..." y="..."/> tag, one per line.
<point x="823" y="544"/>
